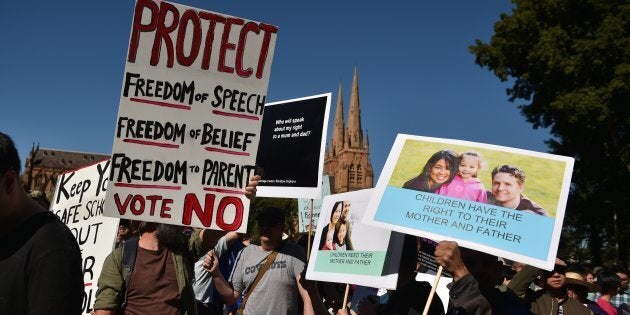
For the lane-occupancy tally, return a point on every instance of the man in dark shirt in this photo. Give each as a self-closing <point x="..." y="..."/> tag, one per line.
<point x="40" y="260"/>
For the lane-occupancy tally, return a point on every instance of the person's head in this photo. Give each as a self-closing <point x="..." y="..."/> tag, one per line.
<point x="577" y="287"/>
<point x="554" y="280"/>
<point x="124" y="230"/>
<point x="507" y="184"/>
<point x="271" y="224"/>
<point x="517" y="266"/>
<point x="609" y="282"/>
<point x="341" y="229"/>
<point x="590" y="277"/>
<point x="9" y="172"/>
<point x="440" y="168"/>
<point x="346" y="209"/>
<point x="623" y="276"/>
<point x="469" y="164"/>
<point x="171" y="236"/>
<point x="335" y="214"/>
<point x="9" y="158"/>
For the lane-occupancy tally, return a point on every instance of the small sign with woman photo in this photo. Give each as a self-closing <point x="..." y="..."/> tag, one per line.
<point x="505" y="201"/>
<point x="347" y="251"/>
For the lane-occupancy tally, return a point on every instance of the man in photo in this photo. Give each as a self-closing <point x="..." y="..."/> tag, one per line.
<point x="507" y="190"/>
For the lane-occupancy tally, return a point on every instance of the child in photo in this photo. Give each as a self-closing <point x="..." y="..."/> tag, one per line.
<point x="466" y="185"/>
<point x="328" y="232"/>
<point x="340" y="235"/>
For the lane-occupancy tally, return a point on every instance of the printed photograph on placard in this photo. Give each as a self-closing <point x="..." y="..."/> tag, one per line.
<point x="488" y="197"/>
<point x="344" y="246"/>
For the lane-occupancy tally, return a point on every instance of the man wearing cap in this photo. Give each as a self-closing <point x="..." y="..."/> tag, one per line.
<point x="553" y="298"/>
<point x="280" y="286"/>
<point x="578" y="289"/>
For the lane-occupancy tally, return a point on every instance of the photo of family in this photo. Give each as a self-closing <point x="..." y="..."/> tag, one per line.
<point x="343" y="244"/>
<point x="448" y="173"/>
<point x="336" y="234"/>
<point x="485" y="197"/>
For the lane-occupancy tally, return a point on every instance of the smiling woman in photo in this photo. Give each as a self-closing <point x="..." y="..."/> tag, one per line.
<point x="439" y="169"/>
<point x="328" y="233"/>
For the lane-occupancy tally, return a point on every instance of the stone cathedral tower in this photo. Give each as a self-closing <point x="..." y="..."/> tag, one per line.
<point x="347" y="159"/>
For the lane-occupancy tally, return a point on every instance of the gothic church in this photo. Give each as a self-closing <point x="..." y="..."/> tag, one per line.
<point x="347" y="160"/>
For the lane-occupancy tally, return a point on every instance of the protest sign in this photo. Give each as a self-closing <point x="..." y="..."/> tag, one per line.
<point x="347" y="251"/>
<point x="503" y="201"/>
<point x="292" y="146"/>
<point x="304" y="208"/>
<point x="78" y="201"/>
<point x="188" y="124"/>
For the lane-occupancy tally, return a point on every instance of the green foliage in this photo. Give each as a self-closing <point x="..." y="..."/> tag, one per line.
<point x="569" y="66"/>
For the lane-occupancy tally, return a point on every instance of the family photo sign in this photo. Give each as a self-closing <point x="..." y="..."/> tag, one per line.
<point x="504" y="201"/>
<point x="292" y="146"/>
<point x="188" y="125"/>
<point x="78" y="201"/>
<point x="347" y="251"/>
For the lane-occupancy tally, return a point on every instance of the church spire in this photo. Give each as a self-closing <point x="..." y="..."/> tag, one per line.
<point x="337" y="142"/>
<point x="354" y="132"/>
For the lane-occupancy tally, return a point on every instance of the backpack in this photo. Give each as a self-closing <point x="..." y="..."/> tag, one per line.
<point x="128" y="261"/>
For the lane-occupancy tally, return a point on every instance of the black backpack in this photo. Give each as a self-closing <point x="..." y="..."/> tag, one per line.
<point x="129" y="252"/>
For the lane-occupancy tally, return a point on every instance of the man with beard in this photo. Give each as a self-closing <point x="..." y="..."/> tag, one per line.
<point x="160" y="282"/>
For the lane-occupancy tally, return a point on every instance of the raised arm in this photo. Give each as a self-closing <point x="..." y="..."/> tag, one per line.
<point x="522" y="280"/>
<point x="211" y="264"/>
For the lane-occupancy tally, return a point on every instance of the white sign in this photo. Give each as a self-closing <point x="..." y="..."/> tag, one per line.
<point x="188" y="124"/>
<point x="347" y="251"/>
<point x="79" y="202"/>
<point x="503" y="201"/>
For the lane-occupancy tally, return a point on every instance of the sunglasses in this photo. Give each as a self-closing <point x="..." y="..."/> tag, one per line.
<point x="557" y="269"/>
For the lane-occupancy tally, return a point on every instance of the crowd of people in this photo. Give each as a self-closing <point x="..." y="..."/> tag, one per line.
<point x="164" y="269"/>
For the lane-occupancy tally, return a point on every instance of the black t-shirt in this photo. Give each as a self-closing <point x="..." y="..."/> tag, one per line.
<point x="40" y="268"/>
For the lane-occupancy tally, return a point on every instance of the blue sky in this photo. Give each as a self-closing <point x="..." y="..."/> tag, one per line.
<point x="63" y="61"/>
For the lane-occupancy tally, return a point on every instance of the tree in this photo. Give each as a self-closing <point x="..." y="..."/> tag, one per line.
<point x="568" y="63"/>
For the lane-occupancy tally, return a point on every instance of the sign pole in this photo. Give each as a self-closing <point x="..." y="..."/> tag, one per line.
<point x="310" y="230"/>
<point x="432" y="293"/>
<point x="345" y="296"/>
